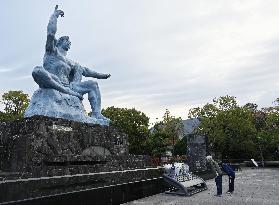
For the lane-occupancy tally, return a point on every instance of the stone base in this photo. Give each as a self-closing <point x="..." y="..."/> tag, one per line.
<point x="49" y="161"/>
<point x="117" y="187"/>
<point x="42" y="146"/>
<point x="52" y="103"/>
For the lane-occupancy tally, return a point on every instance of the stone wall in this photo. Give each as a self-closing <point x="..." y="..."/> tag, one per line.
<point x="52" y="161"/>
<point x="43" y="146"/>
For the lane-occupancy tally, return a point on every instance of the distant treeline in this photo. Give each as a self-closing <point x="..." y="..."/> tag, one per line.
<point x="239" y="132"/>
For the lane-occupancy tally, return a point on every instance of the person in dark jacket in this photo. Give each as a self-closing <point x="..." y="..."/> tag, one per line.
<point x="230" y="172"/>
<point x="218" y="179"/>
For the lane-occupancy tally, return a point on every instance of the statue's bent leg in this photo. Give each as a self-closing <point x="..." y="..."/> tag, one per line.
<point x="94" y="96"/>
<point x="47" y="80"/>
<point x="43" y="78"/>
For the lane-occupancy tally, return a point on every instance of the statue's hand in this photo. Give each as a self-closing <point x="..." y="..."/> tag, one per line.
<point x="77" y="95"/>
<point x="71" y="92"/>
<point x="58" y="12"/>
<point x="107" y="76"/>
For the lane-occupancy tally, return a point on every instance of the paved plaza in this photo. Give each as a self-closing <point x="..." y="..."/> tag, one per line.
<point x="252" y="186"/>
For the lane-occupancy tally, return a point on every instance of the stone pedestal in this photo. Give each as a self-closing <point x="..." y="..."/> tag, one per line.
<point x="47" y="156"/>
<point x="52" y="103"/>
<point x="43" y="146"/>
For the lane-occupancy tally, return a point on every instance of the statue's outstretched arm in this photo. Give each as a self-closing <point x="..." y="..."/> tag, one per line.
<point x="52" y="28"/>
<point x="87" y="72"/>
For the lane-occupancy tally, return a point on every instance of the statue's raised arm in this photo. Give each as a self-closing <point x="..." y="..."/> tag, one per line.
<point x="52" y="28"/>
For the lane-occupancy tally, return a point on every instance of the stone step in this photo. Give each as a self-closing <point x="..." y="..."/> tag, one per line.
<point x="22" y="189"/>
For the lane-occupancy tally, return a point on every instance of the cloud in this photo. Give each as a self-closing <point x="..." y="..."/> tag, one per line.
<point x="161" y="54"/>
<point x="25" y="77"/>
<point x="5" y="70"/>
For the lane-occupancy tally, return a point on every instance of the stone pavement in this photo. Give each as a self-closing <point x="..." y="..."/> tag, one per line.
<point x="252" y="186"/>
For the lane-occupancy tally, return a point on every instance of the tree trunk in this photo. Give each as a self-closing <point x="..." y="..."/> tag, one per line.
<point x="261" y="153"/>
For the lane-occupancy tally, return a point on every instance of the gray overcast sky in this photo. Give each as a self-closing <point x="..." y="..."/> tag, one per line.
<point x="174" y="54"/>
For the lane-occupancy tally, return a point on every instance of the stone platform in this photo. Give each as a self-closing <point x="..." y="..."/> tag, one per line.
<point x="44" y="157"/>
<point x="68" y="189"/>
<point x="42" y="146"/>
<point x="252" y="187"/>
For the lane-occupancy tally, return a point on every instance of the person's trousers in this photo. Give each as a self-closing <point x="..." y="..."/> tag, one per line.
<point x="218" y="181"/>
<point x="231" y="183"/>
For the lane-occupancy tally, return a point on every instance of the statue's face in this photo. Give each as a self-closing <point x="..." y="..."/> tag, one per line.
<point x="66" y="44"/>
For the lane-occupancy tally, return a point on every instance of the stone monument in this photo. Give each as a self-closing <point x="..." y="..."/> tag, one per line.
<point x="61" y="89"/>
<point x="58" y="154"/>
<point x="197" y="149"/>
<point x="196" y="146"/>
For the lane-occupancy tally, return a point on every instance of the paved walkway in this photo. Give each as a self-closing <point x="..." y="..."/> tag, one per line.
<point x="252" y="186"/>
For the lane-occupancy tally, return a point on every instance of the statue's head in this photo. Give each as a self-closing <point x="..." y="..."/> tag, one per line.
<point x="64" y="42"/>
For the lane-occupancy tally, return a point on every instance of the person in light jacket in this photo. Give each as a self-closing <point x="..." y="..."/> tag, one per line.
<point x="218" y="179"/>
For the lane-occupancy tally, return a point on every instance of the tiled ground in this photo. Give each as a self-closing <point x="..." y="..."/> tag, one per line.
<point x="252" y="186"/>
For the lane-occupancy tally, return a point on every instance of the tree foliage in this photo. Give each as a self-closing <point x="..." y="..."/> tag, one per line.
<point x="236" y="131"/>
<point x="180" y="148"/>
<point x="15" y="104"/>
<point x="267" y="138"/>
<point x="133" y="122"/>
<point x="165" y="135"/>
<point x="156" y="142"/>
<point x="227" y="125"/>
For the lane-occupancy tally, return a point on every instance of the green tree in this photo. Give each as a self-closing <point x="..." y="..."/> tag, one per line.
<point x="165" y="135"/>
<point x="180" y="148"/>
<point x="15" y="104"/>
<point x="259" y="120"/>
<point x="229" y="127"/>
<point x="134" y="123"/>
<point x="2" y="116"/>
<point x="156" y="142"/>
<point x="271" y="131"/>
<point x="266" y="122"/>
<point x="173" y="127"/>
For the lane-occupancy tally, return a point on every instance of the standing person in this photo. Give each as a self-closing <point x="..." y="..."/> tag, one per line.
<point x="218" y="179"/>
<point x="229" y="171"/>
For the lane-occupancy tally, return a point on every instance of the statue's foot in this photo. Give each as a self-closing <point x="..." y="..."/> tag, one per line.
<point x="101" y="118"/>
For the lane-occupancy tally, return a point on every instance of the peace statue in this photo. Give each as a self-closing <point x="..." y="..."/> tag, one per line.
<point x="61" y="89"/>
